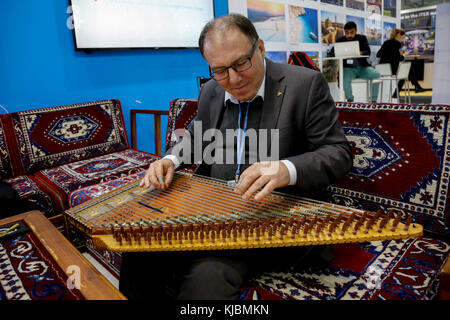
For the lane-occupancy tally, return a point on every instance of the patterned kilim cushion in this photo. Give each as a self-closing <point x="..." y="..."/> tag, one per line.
<point x="181" y="113"/>
<point x="401" y="161"/>
<point x="45" y="138"/>
<point x="87" y="193"/>
<point x="59" y="182"/>
<point x="5" y="159"/>
<point x="29" y="188"/>
<point x="29" y="272"/>
<point x="379" y="270"/>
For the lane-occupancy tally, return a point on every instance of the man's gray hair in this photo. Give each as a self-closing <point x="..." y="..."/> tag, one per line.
<point x="224" y="23"/>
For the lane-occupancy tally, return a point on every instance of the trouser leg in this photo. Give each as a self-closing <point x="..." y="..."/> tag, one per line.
<point x="201" y="275"/>
<point x="371" y="74"/>
<point x="349" y="76"/>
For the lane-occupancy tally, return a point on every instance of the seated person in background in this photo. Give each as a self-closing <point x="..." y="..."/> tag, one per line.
<point x="247" y="92"/>
<point x="358" y="68"/>
<point x="390" y="53"/>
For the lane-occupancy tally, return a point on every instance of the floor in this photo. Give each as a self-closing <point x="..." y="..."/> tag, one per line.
<point x="421" y="97"/>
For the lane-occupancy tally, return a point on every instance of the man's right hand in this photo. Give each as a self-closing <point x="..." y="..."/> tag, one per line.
<point x="159" y="174"/>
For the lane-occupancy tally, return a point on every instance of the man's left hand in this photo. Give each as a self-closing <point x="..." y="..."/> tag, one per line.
<point x="268" y="175"/>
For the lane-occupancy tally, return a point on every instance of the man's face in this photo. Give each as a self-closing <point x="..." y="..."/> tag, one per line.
<point x="350" y="33"/>
<point x="221" y="51"/>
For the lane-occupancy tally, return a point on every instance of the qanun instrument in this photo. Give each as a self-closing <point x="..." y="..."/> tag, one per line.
<point x="199" y="213"/>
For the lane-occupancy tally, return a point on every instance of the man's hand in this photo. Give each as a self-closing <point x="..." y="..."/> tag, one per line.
<point x="267" y="175"/>
<point x="159" y="174"/>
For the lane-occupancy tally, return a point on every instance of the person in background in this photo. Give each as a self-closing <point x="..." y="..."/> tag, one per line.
<point x="390" y="53"/>
<point x="360" y="67"/>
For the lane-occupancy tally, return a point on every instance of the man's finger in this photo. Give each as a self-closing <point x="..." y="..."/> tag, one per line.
<point x="153" y="178"/>
<point x="169" y="175"/>
<point x="159" y="173"/>
<point x="255" y="186"/>
<point x="247" y="178"/>
<point x="267" y="190"/>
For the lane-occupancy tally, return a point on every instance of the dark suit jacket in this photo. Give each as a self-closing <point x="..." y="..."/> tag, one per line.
<point x="310" y="134"/>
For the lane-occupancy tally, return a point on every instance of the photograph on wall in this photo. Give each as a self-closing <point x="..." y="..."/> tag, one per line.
<point x="355" y="4"/>
<point x="390" y="8"/>
<point x="332" y="26"/>
<point x="373" y="6"/>
<point x="420" y="27"/>
<point x="277" y="56"/>
<point x="387" y="30"/>
<point x="314" y="55"/>
<point x="330" y="69"/>
<point x="373" y="31"/>
<point x="335" y="2"/>
<point x="268" y="19"/>
<point x="359" y="23"/>
<point x="303" y="25"/>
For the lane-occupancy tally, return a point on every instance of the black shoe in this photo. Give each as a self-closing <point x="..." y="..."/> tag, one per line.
<point x="419" y="89"/>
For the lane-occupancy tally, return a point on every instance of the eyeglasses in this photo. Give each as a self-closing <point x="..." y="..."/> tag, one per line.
<point x="239" y="66"/>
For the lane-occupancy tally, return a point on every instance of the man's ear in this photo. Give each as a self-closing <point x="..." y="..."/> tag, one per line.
<point x="261" y="47"/>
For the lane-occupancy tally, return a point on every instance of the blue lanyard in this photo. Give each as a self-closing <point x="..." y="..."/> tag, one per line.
<point x="241" y="140"/>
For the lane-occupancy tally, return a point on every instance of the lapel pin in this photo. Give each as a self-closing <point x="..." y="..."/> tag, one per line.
<point x="278" y="93"/>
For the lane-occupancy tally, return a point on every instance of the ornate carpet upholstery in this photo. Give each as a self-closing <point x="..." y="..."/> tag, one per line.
<point x="45" y="138"/>
<point x="48" y="153"/>
<point x="29" y="272"/>
<point x="400" y="163"/>
<point x="181" y="114"/>
<point x="378" y="270"/>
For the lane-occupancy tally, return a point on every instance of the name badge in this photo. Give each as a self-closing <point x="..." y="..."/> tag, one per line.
<point x="350" y="61"/>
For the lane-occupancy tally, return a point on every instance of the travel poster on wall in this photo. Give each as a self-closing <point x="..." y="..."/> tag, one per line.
<point x="359" y="21"/>
<point x="335" y="2"/>
<point x="387" y="30"/>
<point x="332" y="24"/>
<point x="303" y="25"/>
<point x="373" y="31"/>
<point x="420" y="27"/>
<point x="269" y="19"/>
<point x="373" y="6"/>
<point x="277" y="56"/>
<point x="355" y="4"/>
<point x="390" y="8"/>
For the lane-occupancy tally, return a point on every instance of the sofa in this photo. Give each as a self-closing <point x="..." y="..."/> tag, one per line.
<point x="47" y="153"/>
<point x="401" y="165"/>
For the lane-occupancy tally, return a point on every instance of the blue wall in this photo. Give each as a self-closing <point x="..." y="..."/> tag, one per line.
<point x="40" y="68"/>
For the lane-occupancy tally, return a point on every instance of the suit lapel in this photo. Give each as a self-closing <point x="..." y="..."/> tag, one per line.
<point x="216" y="106"/>
<point x="274" y="90"/>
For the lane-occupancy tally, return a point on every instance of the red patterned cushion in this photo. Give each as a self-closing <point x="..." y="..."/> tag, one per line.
<point x="401" y="161"/>
<point x="181" y="114"/>
<point x="32" y="190"/>
<point x="46" y="138"/>
<point x="5" y="159"/>
<point x="87" y="193"/>
<point x="61" y="181"/>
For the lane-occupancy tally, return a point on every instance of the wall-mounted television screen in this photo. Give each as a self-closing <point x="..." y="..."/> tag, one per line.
<point x="122" y="24"/>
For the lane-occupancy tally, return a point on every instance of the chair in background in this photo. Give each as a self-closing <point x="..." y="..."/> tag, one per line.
<point x="369" y="84"/>
<point x="402" y="74"/>
<point x="385" y="70"/>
